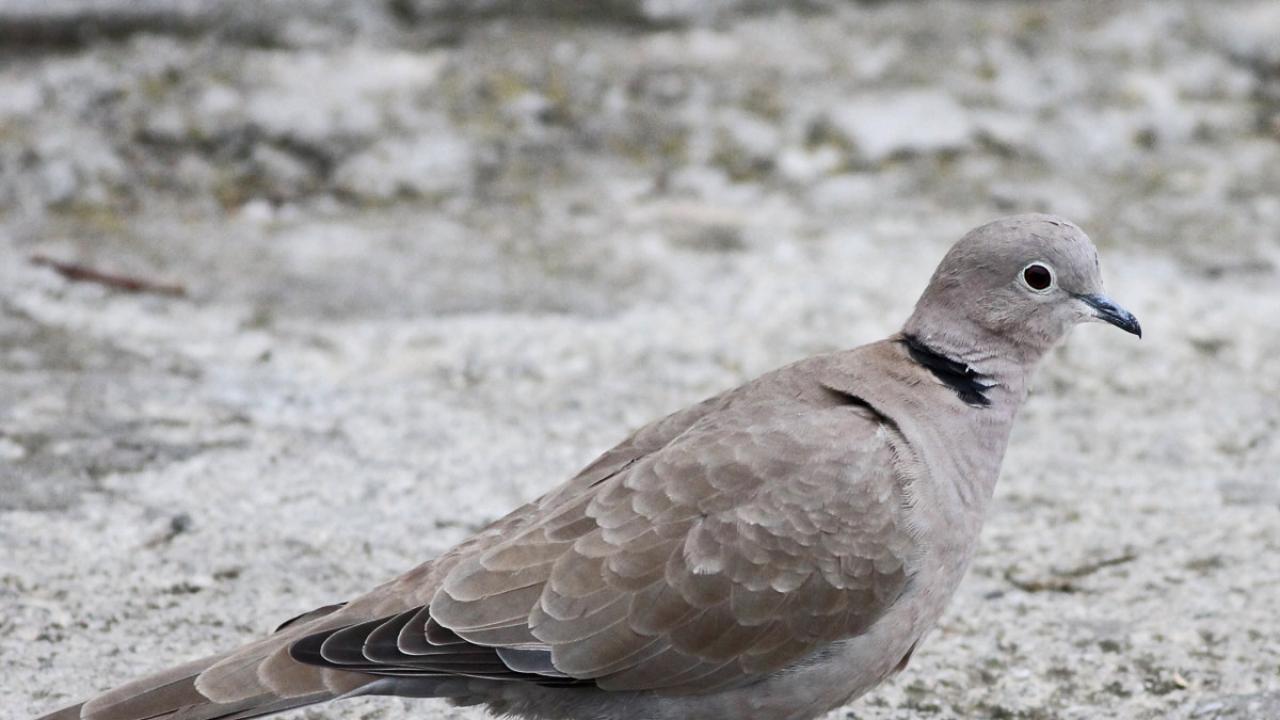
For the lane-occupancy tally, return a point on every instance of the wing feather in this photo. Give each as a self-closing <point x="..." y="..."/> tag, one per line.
<point x="706" y="552"/>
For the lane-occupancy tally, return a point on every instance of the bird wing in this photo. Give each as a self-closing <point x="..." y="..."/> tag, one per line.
<point x="760" y="532"/>
<point x="271" y="665"/>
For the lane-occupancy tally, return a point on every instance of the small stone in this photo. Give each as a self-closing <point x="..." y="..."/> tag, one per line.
<point x="280" y="173"/>
<point x="805" y="165"/>
<point x="421" y="166"/>
<point x="10" y="450"/>
<point x="748" y="144"/>
<point x="257" y="211"/>
<point x="166" y="124"/>
<point x="704" y="227"/>
<point x="57" y="182"/>
<point x="219" y="110"/>
<point x="914" y="122"/>
<point x="21" y="98"/>
<point x="756" y="137"/>
<point x="842" y="192"/>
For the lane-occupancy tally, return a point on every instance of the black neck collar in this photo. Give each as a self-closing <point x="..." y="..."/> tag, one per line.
<point x="970" y="385"/>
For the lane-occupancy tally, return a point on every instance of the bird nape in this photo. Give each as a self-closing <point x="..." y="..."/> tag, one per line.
<point x="772" y="552"/>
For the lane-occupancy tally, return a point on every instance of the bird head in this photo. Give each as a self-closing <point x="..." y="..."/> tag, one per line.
<point x="1020" y="282"/>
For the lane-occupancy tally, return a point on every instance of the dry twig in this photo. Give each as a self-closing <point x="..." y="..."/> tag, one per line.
<point x="83" y="273"/>
<point x="1063" y="580"/>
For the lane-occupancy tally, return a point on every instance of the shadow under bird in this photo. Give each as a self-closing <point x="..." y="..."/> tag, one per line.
<point x="772" y="552"/>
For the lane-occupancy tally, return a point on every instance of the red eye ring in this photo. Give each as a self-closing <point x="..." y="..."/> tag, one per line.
<point x="1037" y="277"/>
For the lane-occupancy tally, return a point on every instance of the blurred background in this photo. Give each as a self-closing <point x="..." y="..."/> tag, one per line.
<point x="296" y="293"/>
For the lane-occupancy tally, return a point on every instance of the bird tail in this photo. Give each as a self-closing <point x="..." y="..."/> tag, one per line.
<point x="172" y="695"/>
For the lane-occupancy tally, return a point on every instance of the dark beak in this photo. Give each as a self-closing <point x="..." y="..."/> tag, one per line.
<point x="1109" y="312"/>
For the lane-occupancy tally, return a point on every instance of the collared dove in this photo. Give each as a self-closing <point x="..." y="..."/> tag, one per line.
<point x="772" y="552"/>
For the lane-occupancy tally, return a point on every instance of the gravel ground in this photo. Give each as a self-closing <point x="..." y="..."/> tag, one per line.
<point x="433" y="261"/>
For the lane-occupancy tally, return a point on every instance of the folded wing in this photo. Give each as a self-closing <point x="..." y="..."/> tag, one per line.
<point x="748" y="541"/>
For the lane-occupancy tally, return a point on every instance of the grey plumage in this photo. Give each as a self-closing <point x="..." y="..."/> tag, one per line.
<point x="771" y="552"/>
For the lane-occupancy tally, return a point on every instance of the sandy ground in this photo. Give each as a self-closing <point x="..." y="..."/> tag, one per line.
<point x="429" y="274"/>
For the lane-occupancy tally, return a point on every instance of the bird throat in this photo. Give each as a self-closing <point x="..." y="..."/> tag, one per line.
<point x="968" y="384"/>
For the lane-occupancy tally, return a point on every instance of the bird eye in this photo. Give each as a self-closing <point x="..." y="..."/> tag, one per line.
<point x="1037" y="277"/>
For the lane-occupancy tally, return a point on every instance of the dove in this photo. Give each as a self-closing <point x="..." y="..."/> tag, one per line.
<point x="772" y="552"/>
